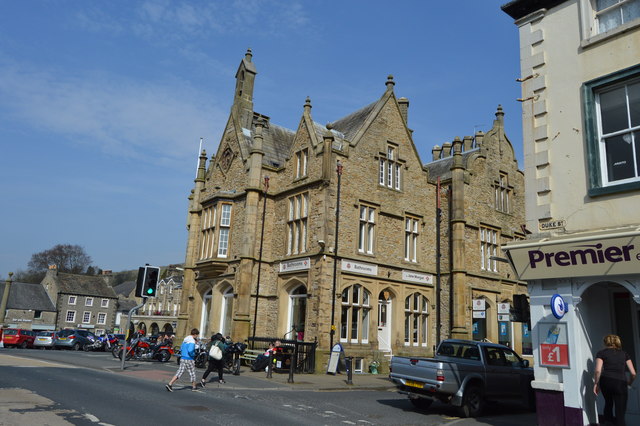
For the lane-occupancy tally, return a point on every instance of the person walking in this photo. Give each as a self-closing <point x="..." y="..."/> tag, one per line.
<point x="611" y="378"/>
<point x="187" y="360"/>
<point x="215" y="364"/>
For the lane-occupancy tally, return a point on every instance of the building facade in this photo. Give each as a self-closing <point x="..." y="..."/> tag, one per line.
<point x="330" y="233"/>
<point x="581" y="100"/>
<point x="82" y="301"/>
<point x="28" y="306"/>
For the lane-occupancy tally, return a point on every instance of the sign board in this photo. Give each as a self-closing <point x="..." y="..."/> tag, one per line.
<point x="417" y="277"/>
<point x="601" y="255"/>
<point x="359" y="267"/>
<point x="295" y="265"/>
<point x="554" y="344"/>
<point x="504" y="317"/>
<point x="334" y="358"/>
<point x="552" y="224"/>
<point x="479" y="314"/>
<point x="479" y="304"/>
<point x="504" y="308"/>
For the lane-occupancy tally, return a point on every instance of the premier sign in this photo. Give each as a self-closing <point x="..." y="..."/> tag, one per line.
<point x="561" y="258"/>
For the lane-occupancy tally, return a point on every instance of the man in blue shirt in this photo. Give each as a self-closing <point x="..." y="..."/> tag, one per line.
<point x="187" y="360"/>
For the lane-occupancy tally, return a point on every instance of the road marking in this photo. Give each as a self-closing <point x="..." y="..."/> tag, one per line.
<point x="17" y="361"/>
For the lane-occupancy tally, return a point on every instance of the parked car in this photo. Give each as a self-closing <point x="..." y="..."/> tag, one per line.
<point x="45" y="339"/>
<point x="74" y="339"/>
<point x="18" y="338"/>
<point x="465" y="374"/>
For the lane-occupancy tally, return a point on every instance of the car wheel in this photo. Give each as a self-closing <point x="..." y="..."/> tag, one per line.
<point x="472" y="402"/>
<point x="23" y="345"/>
<point x="76" y="346"/>
<point x="421" y="403"/>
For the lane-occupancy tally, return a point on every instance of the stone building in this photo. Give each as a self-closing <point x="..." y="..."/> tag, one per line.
<point x="28" y="306"/>
<point x="82" y="301"/>
<point x="262" y="230"/>
<point x="580" y="74"/>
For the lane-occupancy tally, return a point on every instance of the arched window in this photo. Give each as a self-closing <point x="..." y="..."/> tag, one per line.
<point x="354" y="319"/>
<point x="226" y="317"/>
<point x="297" y="312"/>
<point x="415" y="320"/>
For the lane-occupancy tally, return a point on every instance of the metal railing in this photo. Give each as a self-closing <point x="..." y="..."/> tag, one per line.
<point x="303" y="352"/>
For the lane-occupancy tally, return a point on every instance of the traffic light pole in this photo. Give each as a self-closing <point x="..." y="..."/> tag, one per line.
<point x="124" y="346"/>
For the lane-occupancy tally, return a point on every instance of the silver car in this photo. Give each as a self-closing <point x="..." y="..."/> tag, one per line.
<point x="45" y="340"/>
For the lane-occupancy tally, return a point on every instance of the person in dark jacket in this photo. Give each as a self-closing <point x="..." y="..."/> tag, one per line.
<point x="610" y="377"/>
<point x="215" y="364"/>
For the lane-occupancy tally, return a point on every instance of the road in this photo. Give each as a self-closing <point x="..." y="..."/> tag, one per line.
<point x="66" y="387"/>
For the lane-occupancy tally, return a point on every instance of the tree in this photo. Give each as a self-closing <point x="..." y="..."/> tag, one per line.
<point x="66" y="257"/>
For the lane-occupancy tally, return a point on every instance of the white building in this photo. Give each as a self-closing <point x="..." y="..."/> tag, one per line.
<point x="580" y="74"/>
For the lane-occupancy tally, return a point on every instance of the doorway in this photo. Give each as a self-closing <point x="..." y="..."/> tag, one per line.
<point x="384" y="321"/>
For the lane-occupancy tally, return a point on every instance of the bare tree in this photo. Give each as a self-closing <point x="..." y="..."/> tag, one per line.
<point x="66" y="257"/>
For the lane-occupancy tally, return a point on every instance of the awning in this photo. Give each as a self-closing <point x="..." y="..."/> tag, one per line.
<point x="602" y="253"/>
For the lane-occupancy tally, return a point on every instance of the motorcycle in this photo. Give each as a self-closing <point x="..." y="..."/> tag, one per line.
<point x="141" y="349"/>
<point x="232" y="355"/>
<point x="201" y="357"/>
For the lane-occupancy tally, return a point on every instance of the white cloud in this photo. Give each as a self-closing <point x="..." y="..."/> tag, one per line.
<point x="157" y="121"/>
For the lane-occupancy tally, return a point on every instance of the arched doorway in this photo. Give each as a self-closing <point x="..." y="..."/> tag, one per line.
<point x="384" y="321"/>
<point x="297" y="312"/>
<point x="154" y="329"/>
<point x="226" y="313"/>
<point x="204" y="319"/>
<point x="167" y="329"/>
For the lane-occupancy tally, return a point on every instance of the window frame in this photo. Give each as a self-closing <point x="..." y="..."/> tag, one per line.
<point x="104" y="318"/>
<point x="416" y="335"/>
<point x="297" y="223"/>
<point x="224" y="231"/>
<point x="503" y="193"/>
<point x="72" y="314"/>
<point x="302" y="161"/>
<point x="390" y="169"/>
<point x="596" y="186"/>
<point x="88" y="301"/>
<point x="86" y="320"/>
<point x="619" y="6"/>
<point x="72" y="300"/>
<point x="366" y="229"/>
<point x="411" y="237"/>
<point x="104" y="303"/>
<point x="488" y="248"/>
<point x="362" y="308"/>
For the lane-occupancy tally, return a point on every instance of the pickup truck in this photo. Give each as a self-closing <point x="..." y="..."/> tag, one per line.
<point x="465" y="374"/>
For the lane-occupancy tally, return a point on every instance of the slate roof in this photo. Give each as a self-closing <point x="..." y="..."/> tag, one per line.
<point x="28" y="296"/>
<point x="442" y="167"/>
<point x="125" y="288"/>
<point x="83" y="284"/>
<point x="125" y="305"/>
<point x="276" y="143"/>
<point x="350" y="124"/>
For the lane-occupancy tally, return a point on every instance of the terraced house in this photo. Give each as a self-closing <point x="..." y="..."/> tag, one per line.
<point x="265" y="228"/>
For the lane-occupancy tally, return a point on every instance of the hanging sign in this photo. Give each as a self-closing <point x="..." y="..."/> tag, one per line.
<point x="558" y="306"/>
<point x="359" y="267"/>
<point x="479" y="314"/>
<point x="479" y="304"/>
<point x="506" y="317"/>
<point x="417" y="277"/>
<point x="554" y="345"/>
<point x="295" y="265"/>
<point x="504" y="308"/>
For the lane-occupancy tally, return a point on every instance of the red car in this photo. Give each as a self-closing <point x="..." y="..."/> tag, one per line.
<point x="18" y="337"/>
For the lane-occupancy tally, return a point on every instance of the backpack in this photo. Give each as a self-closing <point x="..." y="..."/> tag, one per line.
<point x="215" y="352"/>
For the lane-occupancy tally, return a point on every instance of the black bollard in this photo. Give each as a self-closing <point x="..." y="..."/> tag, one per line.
<point x="293" y="361"/>
<point x="270" y="366"/>
<point x="348" y="362"/>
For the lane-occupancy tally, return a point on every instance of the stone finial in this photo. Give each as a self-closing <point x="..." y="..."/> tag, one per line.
<point x="248" y="55"/>
<point x="307" y="105"/>
<point x="390" y="83"/>
<point x="500" y="115"/>
<point x="329" y="126"/>
<point x="436" y="151"/>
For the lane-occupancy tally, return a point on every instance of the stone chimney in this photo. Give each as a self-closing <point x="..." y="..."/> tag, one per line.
<point x="446" y="149"/>
<point x="404" y="109"/>
<point x="436" y="152"/>
<point x="467" y="144"/>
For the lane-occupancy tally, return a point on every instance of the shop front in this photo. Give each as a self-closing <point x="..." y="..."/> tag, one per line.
<point x="581" y="287"/>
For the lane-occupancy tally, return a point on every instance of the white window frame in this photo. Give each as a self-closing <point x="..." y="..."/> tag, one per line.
<point x="503" y="193"/>
<point x="416" y="323"/>
<point x="366" y="230"/>
<point x="225" y="228"/>
<point x="86" y="320"/>
<point x="302" y="158"/>
<point x="297" y="224"/>
<point x="104" y="303"/>
<point x="102" y="318"/>
<point x="70" y="316"/>
<point x="88" y="301"/>
<point x="612" y="10"/>
<point x="488" y="248"/>
<point x="73" y="300"/>
<point x="356" y="299"/>
<point x="208" y="232"/>
<point x="411" y="227"/>
<point x="389" y="173"/>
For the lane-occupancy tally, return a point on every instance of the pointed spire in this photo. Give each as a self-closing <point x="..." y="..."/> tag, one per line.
<point x="500" y="115"/>
<point x="201" y="166"/>
<point x="390" y="83"/>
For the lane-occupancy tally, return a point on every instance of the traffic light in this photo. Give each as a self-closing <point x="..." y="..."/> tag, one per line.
<point x="521" y="311"/>
<point x="147" y="282"/>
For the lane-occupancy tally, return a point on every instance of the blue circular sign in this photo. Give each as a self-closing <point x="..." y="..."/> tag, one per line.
<point x="558" y="306"/>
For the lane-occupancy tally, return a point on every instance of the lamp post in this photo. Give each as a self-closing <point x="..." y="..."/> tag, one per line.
<point x="335" y="259"/>
<point x="264" y="212"/>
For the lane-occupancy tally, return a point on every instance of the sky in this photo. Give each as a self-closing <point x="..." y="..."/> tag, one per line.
<point x="103" y="103"/>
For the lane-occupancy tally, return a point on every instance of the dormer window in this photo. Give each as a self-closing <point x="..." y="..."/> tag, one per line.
<point x="302" y="158"/>
<point x="389" y="173"/>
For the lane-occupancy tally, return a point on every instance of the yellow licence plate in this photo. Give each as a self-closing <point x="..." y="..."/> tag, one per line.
<point x="414" y="384"/>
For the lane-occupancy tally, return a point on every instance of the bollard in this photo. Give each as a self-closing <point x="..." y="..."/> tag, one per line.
<point x="293" y="361"/>
<point x="348" y="362"/>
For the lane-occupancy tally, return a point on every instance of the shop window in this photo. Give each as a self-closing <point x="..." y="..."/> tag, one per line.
<point x="527" y="346"/>
<point x="504" y="333"/>
<point x="612" y="115"/>
<point x="415" y="320"/>
<point x="354" y="318"/>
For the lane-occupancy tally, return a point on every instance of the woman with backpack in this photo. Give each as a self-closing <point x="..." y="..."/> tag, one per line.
<point x="216" y="357"/>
